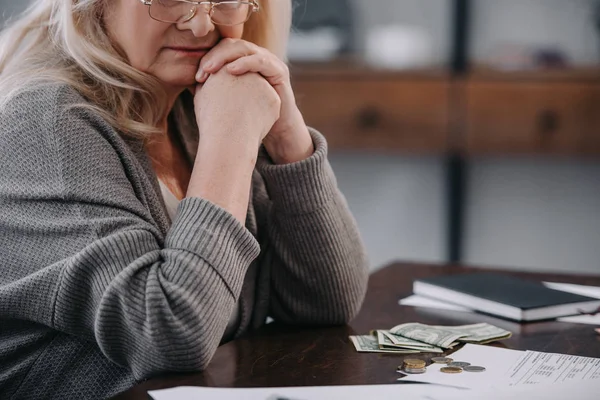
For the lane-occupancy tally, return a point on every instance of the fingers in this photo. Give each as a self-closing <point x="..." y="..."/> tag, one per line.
<point x="226" y="51"/>
<point x="269" y="66"/>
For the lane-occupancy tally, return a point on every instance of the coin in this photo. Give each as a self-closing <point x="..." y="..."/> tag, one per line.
<point x="460" y="364"/>
<point x="451" y="370"/>
<point x="474" y="368"/>
<point x="441" y="360"/>
<point x="414" y="363"/>
<point x="414" y="370"/>
<point x="413" y="367"/>
<point x="411" y="370"/>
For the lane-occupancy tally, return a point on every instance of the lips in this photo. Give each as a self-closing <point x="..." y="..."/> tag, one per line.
<point x="187" y="52"/>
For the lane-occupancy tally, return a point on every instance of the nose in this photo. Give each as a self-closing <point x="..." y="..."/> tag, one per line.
<point x="199" y="24"/>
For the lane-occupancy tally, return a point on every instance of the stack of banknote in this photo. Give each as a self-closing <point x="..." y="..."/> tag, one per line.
<point x="420" y="338"/>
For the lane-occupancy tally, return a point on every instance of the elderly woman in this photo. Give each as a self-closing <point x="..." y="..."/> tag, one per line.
<point x="160" y="193"/>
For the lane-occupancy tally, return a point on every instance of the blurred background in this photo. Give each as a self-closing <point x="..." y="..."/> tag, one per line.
<point x="460" y="130"/>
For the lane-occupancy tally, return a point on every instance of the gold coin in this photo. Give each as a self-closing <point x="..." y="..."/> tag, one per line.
<point x="413" y="366"/>
<point x="414" y="363"/>
<point x="404" y="366"/>
<point x="451" y="370"/>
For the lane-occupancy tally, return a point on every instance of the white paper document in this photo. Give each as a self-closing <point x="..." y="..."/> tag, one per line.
<point x="368" y="392"/>
<point x="582" y="319"/>
<point x="535" y="368"/>
<point x="572" y="390"/>
<point x="583" y="290"/>
<point x="422" y="301"/>
<point x="588" y="390"/>
<point x="497" y="362"/>
<point x="506" y="368"/>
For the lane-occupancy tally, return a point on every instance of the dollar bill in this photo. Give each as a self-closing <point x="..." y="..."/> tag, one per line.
<point x="479" y="333"/>
<point x="420" y="338"/>
<point x="433" y="335"/>
<point x="370" y="344"/>
<point x="406" y="343"/>
<point x="384" y="341"/>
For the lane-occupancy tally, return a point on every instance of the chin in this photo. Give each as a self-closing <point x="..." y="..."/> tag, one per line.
<point x="181" y="77"/>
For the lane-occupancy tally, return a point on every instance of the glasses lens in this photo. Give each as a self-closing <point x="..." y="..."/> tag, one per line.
<point x="171" y="10"/>
<point x="231" y="12"/>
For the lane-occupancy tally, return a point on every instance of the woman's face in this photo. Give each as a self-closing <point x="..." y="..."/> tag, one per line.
<point x="169" y="51"/>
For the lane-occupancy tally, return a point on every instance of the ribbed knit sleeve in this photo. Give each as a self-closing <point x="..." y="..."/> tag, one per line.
<point x="86" y="256"/>
<point x="320" y="270"/>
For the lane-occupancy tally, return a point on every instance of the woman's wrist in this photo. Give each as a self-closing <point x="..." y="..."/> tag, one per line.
<point x="223" y="174"/>
<point x="290" y="145"/>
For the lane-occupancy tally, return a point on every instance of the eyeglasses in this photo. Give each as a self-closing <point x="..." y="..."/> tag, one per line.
<point x="227" y="13"/>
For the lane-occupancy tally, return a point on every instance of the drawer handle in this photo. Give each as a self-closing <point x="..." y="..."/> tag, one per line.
<point x="548" y="122"/>
<point x="369" y="118"/>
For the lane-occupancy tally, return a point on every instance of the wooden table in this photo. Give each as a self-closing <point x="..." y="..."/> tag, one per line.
<point x="287" y="356"/>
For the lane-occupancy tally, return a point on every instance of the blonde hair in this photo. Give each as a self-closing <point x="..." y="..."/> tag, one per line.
<point x="65" y="41"/>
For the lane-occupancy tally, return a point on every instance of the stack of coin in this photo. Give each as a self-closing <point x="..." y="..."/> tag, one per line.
<point x="413" y="366"/>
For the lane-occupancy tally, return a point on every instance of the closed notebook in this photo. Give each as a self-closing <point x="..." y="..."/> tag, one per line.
<point x="505" y="296"/>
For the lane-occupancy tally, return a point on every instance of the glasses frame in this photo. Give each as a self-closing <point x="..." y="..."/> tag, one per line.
<point x="254" y="3"/>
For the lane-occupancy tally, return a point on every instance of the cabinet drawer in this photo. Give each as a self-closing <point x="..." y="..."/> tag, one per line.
<point x="379" y="114"/>
<point x="521" y="117"/>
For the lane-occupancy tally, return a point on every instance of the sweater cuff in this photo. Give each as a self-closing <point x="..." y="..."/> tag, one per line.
<point x="214" y="235"/>
<point x="301" y="187"/>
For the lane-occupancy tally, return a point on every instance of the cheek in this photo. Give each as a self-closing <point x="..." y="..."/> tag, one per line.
<point x="138" y="35"/>
<point x="144" y="52"/>
<point x="145" y="42"/>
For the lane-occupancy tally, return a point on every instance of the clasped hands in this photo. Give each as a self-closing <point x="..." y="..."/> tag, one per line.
<point x="288" y="139"/>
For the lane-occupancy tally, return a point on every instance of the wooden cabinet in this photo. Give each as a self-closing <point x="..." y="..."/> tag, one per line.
<point x="553" y="112"/>
<point x="376" y="112"/>
<point x="532" y="117"/>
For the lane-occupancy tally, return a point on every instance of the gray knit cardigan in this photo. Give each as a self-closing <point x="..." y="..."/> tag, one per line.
<point x="100" y="290"/>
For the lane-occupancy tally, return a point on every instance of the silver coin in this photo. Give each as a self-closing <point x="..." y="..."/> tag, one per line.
<point x="441" y="360"/>
<point x="474" y="368"/>
<point x="460" y="364"/>
<point x="414" y="370"/>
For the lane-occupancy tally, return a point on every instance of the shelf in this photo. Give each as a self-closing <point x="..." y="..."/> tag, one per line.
<point x="582" y="74"/>
<point x="356" y="68"/>
<point x="553" y="112"/>
<point x="353" y="68"/>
